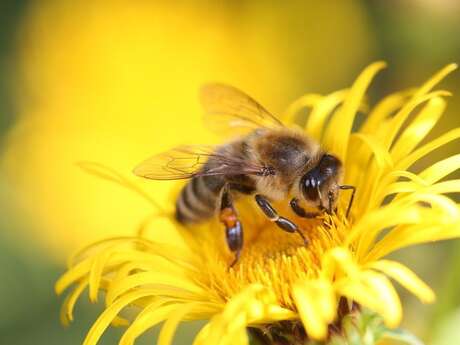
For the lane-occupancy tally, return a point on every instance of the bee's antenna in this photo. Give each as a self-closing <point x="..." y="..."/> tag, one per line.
<point x="346" y="186"/>
<point x="319" y="193"/>
<point x="330" y="197"/>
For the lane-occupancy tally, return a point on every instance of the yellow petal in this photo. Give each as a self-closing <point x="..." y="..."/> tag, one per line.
<point x="443" y="209"/>
<point x="315" y="326"/>
<point x="316" y="303"/>
<point x="418" y="128"/>
<point x="306" y="101"/>
<point x="385" y="108"/>
<point x="435" y="79"/>
<point x="406" y="235"/>
<point x="202" y="335"/>
<point x="151" y="316"/>
<point x="336" y="259"/>
<point x="441" y="169"/>
<point x="381" y="155"/>
<point x="229" y="326"/>
<point x="406" y="278"/>
<point x="451" y="186"/>
<point x="355" y="290"/>
<point x="410" y="159"/>
<point x="372" y="223"/>
<point x="110" y="313"/>
<point x="321" y="111"/>
<point x="407" y="215"/>
<point x="374" y="291"/>
<point x="395" y="123"/>
<point x="95" y="274"/>
<point x="339" y="128"/>
<point x="389" y="304"/>
<point x="79" y="271"/>
<point x="68" y="305"/>
<point x="170" y="325"/>
<point x="104" y="172"/>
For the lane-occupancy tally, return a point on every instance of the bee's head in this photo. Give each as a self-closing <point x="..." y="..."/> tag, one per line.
<point x="320" y="185"/>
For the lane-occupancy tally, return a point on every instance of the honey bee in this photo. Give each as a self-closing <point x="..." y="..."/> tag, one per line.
<point x="270" y="161"/>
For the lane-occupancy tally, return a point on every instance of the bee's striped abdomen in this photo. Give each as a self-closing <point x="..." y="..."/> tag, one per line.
<point x="198" y="199"/>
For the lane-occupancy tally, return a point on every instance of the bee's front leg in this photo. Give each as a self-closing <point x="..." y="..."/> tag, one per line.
<point x="353" y="191"/>
<point x="283" y="223"/>
<point x="300" y="211"/>
<point x="233" y="226"/>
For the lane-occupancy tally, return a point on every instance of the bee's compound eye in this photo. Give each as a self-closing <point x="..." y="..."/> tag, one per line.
<point x="309" y="186"/>
<point x="329" y="164"/>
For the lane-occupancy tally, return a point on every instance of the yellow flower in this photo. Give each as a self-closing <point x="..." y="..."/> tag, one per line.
<point x="277" y="277"/>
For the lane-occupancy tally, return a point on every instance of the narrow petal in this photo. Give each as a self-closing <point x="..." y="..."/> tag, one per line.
<point x="202" y="335"/>
<point x="95" y="274"/>
<point x="404" y="236"/>
<point x="229" y="326"/>
<point x="81" y="270"/>
<point x="406" y="211"/>
<point x="110" y="313"/>
<point x="109" y="174"/>
<point x="435" y="79"/>
<point x="450" y="186"/>
<point x="381" y="155"/>
<point x="389" y="304"/>
<point x="370" y="225"/>
<point x="396" y="123"/>
<point x="151" y="316"/>
<point x="306" y="101"/>
<point x="395" y="174"/>
<point x="374" y="291"/>
<point x="353" y="288"/>
<point x="169" y="328"/>
<point x="338" y="259"/>
<point x="384" y="109"/>
<point x="413" y="157"/>
<point x="99" y="246"/>
<point x="339" y="128"/>
<point x="152" y="278"/>
<point x="406" y="278"/>
<point x="314" y="324"/>
<point x="418" y="128"/>
<point x="66" y="314"/>
<point x="441" y="169"/>
<point x="316" y="303"/>
<point x="321" y="111"/>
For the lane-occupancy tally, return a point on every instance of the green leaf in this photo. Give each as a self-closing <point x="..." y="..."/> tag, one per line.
<point x="402" y="336"/>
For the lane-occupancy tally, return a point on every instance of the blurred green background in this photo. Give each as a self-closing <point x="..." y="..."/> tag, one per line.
<point x="89" y="80"/>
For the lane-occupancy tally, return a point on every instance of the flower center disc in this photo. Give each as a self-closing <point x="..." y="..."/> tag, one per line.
<point x="270" y="257"/>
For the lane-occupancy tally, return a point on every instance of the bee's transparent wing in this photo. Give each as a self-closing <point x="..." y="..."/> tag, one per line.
<point x="185" y="162"/>
<point x="229" y="110"/>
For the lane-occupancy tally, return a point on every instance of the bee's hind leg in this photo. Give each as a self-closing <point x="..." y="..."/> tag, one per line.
<point x="233" y="226"/>
<point x="283" y="223"/>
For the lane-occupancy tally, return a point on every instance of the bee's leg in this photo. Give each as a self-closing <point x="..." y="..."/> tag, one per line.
<point x="233" y="227"/>
<point x="353" y="188"/>
<point x="284" y="223"/>
<point x="300" y="211"/>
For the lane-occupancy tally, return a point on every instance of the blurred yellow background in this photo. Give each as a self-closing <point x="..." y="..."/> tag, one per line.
<point x="114" y="82"/>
